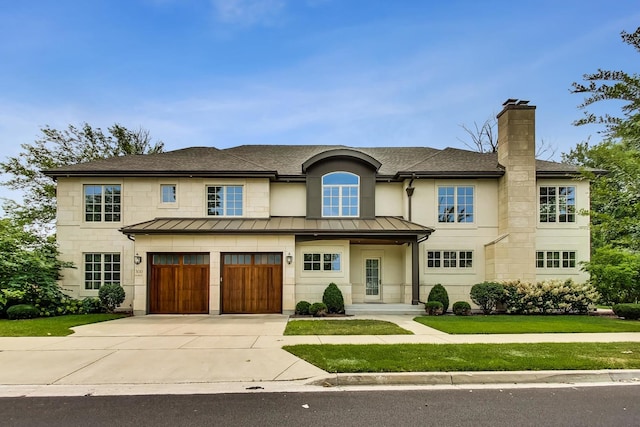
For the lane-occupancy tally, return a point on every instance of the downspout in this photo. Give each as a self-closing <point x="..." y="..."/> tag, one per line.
<point x="410" y="189"/>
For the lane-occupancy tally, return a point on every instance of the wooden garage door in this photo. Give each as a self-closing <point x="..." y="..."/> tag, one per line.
<point x="251" y="283"/>
<point x="179" y="284"/>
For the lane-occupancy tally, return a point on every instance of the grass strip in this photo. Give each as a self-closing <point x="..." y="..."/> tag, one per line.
<point x="518" y="324"/>
<point x="57" y="326"/>
<point x="469" y="357"/>
<point x="343" y="327"/>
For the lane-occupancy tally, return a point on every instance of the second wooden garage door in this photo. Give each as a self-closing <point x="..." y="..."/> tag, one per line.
<point x="251" y="283"/>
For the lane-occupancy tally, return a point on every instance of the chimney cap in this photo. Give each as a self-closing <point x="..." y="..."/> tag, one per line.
<point x="510" y="101"/>
<point x="515" y="101"/>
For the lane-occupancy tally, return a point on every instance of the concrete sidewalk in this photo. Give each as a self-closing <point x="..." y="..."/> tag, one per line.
<point x="151" y="354"/>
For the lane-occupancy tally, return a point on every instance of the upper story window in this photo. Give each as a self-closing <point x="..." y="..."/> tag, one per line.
<point x="168" y="193"/>
<point x="558" y="204"/>
<point x="340" y="195"/>
<point x="102" y="203"/>
<point x="224" y="200"/>
<point x="455" y="204"/>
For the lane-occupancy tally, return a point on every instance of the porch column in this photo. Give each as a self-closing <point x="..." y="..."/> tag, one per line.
<point x="415" y="272"/>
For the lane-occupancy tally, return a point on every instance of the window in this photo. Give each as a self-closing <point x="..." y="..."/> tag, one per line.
<point x="101" y="269"/>
<point x="168" y="193"/>
<point x="455" y="204"/>
<point x="450" y="259"/>
<point x="321" y="262"/>
<point x="340" y="195"/>
<point x="224" y="200"/>
<point x="102" y="203"/>
<point x="558" y="204"/>
<point x="555" y="259"/>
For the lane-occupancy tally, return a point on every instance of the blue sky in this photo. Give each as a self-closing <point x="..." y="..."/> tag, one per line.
<point x="354" y="72"/>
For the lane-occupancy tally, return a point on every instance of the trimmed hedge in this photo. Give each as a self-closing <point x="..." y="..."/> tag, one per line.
<point x="302" y="307"/>
<point x="433" y="308"/>
<point x="22" y="311"/>
<point x="439" y="293"/>
<point x="111" y="296"/>
<point x="318" y="309"/>
<point x="628" y="311"/>
<point x="461" y="308"/>
<point x="487" y="295"/>
<point x="333" y="299"/>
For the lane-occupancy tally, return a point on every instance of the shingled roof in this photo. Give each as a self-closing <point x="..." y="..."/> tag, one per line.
<point x="285" y="161"/>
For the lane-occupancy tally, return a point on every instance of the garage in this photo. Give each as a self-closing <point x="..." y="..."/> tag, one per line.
<point x="251" y="283"/>
<point x="179" y="283"/>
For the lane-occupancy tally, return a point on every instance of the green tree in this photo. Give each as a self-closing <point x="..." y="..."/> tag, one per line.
<point x="615" y="272"/>
<point x="613" y="85"/>
<point x="57" y="148"/>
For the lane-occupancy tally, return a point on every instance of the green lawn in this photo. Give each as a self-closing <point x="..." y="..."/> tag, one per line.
<point x="469" y="357"/>
<point x="57" y="326"/>
<point x="343" y="327"/>
<point x="513" y="324"/>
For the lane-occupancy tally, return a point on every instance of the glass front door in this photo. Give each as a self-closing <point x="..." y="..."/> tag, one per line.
<point x="372" y="279"/>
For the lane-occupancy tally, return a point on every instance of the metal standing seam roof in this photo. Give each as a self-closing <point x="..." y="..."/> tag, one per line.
<point x="379" y="226"/>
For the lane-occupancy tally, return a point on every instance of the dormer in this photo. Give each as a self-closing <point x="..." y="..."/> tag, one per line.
<point x="341" y="184"/>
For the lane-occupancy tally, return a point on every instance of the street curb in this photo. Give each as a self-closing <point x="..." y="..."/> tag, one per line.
<point x="481" y="377"/>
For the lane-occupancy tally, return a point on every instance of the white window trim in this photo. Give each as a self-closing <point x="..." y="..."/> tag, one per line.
<point x="560" y="259"/>
<point x="557" y="222"/>
<point x="340" y="187"/>
<point x="455" y="204"/>
<point x="224" y="201"/>
<point x="168" y="204"/>
<point x="102" y="222"/>
<point x="457" y="268"/>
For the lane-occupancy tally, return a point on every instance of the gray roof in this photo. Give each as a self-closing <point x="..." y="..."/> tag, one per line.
<point x="277" y="161"/>
<point x="383" y="227"/>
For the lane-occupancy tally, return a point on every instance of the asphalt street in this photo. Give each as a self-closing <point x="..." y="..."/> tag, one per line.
<point x="566" y="406"/>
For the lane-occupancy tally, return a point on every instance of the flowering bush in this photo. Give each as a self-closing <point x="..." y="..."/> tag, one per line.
<point x="549" y="296"/>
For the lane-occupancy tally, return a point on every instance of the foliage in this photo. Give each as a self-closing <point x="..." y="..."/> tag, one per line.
<point x="613" y="85"/>
<point x="527" y="324"/>
<point x="461" y="308"/>
<point x="615" y="272"/>
<point x="439" y="293"/>
<point x="50" y="326"/>
<point x="486" y="295"/>
<point x="468" y="357"/>
<point x="318" y="309"/>
<point x="433" y="308"/>
<point x="57" y="148"/>
<point x="549" y="296"/>
<point x="628" y="311"/>
<point x="344" y="327"/>
<point x="302" y="307"/>
<point x="111" y="296"/>
<point x="332" y="297"/>
<point x="22" y="311"/>
<point x="92" y="305"/>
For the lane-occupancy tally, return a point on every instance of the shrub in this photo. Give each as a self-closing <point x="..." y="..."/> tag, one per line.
<point x="111" y="296"/>
<point x="302" y="307"/>
<point x="549" y="296"/>
<point x="487" y="295"/>
<point x="318" y="309"/>
<point x="461" y="308"/>
<point x="628" y="311"/>
<point x="333" y="299"/>
<point x="22" y="311"/>
<point x="439" y="293"/>
<point x="433" y="308"/>
<point x="92" y="305"/>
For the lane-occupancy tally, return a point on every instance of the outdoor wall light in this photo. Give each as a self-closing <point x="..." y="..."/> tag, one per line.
<point x="289" y="259"/>
<point x="137" y="259"/>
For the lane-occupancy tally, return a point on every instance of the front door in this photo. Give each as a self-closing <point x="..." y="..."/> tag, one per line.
<point x="372" y="279"/>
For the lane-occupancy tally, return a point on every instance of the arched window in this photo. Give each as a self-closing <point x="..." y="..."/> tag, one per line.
<point x="340" y="195"/>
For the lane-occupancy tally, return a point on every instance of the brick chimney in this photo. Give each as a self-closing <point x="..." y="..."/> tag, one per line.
<point x="514" y="251"/>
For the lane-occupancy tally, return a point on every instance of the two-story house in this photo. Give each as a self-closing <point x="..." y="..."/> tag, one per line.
<point x="257" y="228"/>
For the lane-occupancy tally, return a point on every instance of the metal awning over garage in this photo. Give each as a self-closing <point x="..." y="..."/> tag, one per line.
<point x="383" y="227"/>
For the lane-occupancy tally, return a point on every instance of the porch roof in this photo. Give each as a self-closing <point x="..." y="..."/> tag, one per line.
<point x="379" y="227"/>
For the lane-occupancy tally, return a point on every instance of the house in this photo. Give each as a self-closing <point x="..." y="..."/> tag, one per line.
<point x="257" y="228"/>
